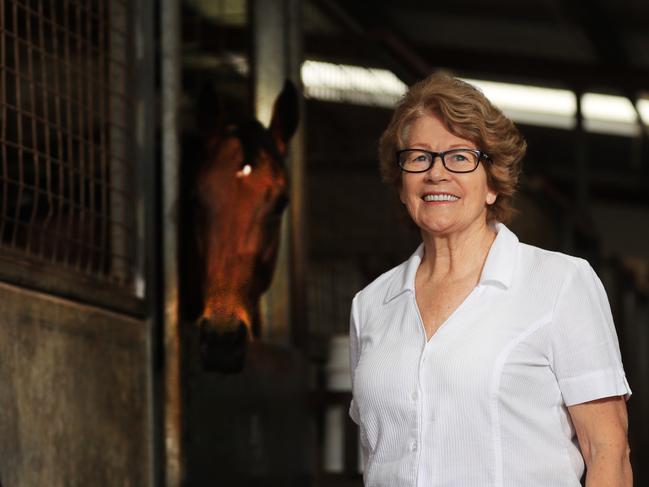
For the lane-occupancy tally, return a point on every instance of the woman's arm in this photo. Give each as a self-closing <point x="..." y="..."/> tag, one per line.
<point x="601" y="427"/>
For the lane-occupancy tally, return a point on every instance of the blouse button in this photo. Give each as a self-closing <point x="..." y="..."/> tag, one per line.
<point x="414" y="396"/>
<point x="413" y="446"/>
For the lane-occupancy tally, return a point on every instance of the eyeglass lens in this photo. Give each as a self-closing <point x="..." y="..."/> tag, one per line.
<point x="458" y="160"/>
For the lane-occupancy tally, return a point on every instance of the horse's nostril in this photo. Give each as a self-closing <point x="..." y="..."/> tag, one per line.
<point x="203" y="324"/>
<point x="222" y="351"/>
<point x="241" y="335"/>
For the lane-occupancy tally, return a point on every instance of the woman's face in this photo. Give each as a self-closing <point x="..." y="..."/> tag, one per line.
<point x="469" y="192"/>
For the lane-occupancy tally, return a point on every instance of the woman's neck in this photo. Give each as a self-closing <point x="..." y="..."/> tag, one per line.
<point x="456" y="255"/>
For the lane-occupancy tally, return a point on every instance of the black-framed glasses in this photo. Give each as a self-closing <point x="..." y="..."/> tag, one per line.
<point x="454" y="160"/>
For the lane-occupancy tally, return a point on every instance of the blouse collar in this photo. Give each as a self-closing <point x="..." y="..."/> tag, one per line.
<point x="498" y="268"/>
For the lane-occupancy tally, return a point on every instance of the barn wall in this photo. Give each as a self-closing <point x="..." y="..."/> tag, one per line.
<point x="74" y="394"/>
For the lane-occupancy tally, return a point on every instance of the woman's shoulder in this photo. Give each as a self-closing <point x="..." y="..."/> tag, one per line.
<point x="536" y="260"/>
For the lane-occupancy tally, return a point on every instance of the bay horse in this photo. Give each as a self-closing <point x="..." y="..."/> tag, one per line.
<point x="238" y="194"/>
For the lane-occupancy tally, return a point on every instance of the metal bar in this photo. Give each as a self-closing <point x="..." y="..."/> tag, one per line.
<point x="296" y="165"/>
<point x="79" y="241"/>
<point x="129" y="117"/>
<point x="73" y="70"/>
<point x="103" y="109"/>
<point x="68" y="119"/>
<point x="73" y="35"/>
<point x="148" y="258"/>
<point x="91" y="130"/>
<point x="109" y="49"/>
<point x="35" y="158"/>
<point x="71" y="67"/>
<point x="3" y="121"/>
<point x="113" y="189"/>
<point x="118" y="142"/>
<point x="76" y="206"/>
<point x="80" y="5"/>
<point x="19" y="137"/>
<point x="46" y="115"/>
<point x="170" y="94"/>
<point x="53" y="125"/>
<point x="59" y="133"/>
<point x="81" y="152"/>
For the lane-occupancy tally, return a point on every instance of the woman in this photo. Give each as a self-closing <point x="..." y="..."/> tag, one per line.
<point x="480" y="361"/>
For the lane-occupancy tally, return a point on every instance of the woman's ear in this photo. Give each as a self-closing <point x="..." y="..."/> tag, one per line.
<point x="491" y="197"/>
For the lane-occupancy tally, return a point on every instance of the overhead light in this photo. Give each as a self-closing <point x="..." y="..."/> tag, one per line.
<point x="534" y="105"/>
<point x="353" y="84"/>
<point x="609" y="108"/>
<point x="531" y="104"/>
<point x="609" y="114"/>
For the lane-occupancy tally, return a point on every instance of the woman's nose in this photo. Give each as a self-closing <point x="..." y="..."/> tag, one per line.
<point x="437" y="170"/>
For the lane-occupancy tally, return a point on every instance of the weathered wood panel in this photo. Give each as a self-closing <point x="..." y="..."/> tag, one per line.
<point x="74" y="394"/>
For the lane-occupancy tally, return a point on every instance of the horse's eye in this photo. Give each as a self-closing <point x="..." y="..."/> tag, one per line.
<point x="245" y="170"/>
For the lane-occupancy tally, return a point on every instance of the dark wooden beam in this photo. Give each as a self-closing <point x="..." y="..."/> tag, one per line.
<point x="383" y="49"/>
<point x="599" y="27"/>
<point x="409" y="60"/>
<point x="493" y="65"/>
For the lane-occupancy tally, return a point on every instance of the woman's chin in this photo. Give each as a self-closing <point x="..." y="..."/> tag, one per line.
<point x="441" y="227"/>
<point x="438" y="229"/>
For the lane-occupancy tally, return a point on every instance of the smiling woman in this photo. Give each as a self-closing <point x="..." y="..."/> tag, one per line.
<point x="447" y="197"/>
<point x="476" y="360"/>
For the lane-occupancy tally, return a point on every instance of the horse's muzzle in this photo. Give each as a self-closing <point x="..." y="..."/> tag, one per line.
<point x="223" y="351"/>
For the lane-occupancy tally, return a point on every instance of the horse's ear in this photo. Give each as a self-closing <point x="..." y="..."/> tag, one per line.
<point x="285" y="116"/>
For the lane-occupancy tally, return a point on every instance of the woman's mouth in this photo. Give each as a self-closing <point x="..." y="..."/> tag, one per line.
<point x="440" y="197"/>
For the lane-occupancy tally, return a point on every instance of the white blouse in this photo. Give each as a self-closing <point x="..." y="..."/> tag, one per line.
<point x="483" y="402"/>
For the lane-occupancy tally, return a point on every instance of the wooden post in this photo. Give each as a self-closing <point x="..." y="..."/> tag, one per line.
<point x="276" y="56"/>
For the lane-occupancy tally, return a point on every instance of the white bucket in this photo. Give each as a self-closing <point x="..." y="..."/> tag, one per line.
<point x="337" y="369"/>
<point x="338" y="380"/>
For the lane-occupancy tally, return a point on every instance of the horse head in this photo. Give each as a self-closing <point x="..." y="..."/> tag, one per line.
<point x="240" y="193"/>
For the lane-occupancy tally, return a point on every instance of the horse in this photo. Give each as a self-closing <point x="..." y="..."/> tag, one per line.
<point x="238" y="194"/>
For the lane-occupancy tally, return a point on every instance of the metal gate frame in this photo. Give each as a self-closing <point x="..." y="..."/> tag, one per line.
<point x="27" y="271"/>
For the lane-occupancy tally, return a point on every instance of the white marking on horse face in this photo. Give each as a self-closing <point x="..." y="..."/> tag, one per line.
<point x="244" y="171"/>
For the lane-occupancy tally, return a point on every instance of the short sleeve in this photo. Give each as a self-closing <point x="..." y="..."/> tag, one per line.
<point x="354" y="353"/>
<point x="585" y="353"/>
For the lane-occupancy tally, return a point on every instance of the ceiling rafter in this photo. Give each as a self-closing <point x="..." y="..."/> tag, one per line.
<point x="599" y="27"/>
<point x="412" y="62"/>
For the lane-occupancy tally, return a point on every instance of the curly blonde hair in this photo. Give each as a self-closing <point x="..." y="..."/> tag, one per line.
<point x="468" y="114"/>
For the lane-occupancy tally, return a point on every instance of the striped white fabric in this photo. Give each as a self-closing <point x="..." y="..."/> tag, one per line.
<point x="483" y="402"/>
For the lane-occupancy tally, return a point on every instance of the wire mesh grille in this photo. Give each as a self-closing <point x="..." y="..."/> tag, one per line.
<point x="332" y="284"/>
<point x="66" y="130"/>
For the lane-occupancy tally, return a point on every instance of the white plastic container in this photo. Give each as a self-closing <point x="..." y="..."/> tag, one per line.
<point x="338" y="380"/>
<point x="337" y="368"/>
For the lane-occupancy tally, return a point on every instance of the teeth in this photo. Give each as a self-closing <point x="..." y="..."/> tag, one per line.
<point x="440" y="197"/>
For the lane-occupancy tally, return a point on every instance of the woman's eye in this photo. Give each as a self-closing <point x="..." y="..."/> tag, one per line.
<point x="458" y="158"/>
<point x="421" y="158"/>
